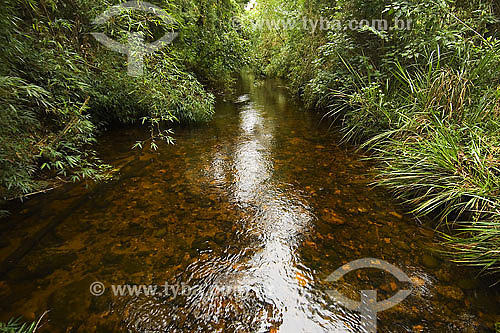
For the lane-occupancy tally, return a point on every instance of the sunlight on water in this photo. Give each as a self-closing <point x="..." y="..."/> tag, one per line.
<point x="246" y="217"/>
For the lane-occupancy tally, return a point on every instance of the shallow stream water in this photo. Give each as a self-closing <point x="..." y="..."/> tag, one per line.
<point x="243" y="219"/>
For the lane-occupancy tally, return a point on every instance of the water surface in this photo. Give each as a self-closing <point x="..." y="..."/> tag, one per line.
<point x="248" y="216"/>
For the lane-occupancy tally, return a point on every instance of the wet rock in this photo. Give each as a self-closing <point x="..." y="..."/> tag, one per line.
<point x="142" y="254"/>
<point x="332" y="218"/>
<point x="69" y="304"/>
<point x="467" y="284"/>
<point x="205" y="203"/>
<point x="402" y="245"/>
<point x="51" y="239"/>
<point x="55" y="207"/>
<point x="417" y="281"/>
<point x="133" y="169"/>
<point x="100" y="203"/>
<point x="44" y="266"/>
<point x="429" y="261"/>
<point x="134" y="229"/>
<point x="132" y="265"/>
<point x="103" y="227"/>
<point x="324" y="228"/>
<point x="112" y="259"/>
<point x="450" y="292"/>
<point x="206" y="214"/>
<point x="85" y="226"/>
<point x="158" y="220"/>
<point x="101" y="303"/>
<point x="220" y="238"/>
<point x="201" y="244"/>
<point x="142" y="204"/>
<point x="105" y="327"/>
<point x="160" y="233"/>
<point x="362" y="210"/>
<point x="418" y="328"/>
<point x="444" y="275"/>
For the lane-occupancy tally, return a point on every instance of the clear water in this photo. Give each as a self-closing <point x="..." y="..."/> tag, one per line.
<point x="248" y="216"/>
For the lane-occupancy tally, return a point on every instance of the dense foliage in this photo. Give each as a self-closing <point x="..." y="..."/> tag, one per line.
<point x="424" y="99"/>
<point x="59" y="87"/>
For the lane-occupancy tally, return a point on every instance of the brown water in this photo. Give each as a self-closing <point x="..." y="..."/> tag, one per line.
<point x="248" y="215"/>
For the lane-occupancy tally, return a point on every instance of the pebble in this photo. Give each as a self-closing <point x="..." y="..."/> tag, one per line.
<point x="467" y="284"/>
<point x="429" y="261"/>
<point x="450" y="292"/>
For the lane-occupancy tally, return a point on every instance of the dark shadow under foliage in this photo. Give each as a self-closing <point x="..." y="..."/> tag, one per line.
<point x="59" y="87"/>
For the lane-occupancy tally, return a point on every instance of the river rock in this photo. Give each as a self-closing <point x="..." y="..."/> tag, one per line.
<point x="112" y="259"/>
<point x="160" y="233"/>
<point x="450" y="292"/>
<point x="467" y="284"/>
<point x="332" y="218"/>
<point x="70" y="303"/>
<point x="207" y="214"/>
<point x="429" y="261"/>
<point x="402" y="245"/>
<point x="201" y="244"/>
<point x="44" y="266"/>
<point x="444" y="275"/>
<point x="220" y="238"/>
<point x="133" y="229"/>
<point x="132" y="265"/>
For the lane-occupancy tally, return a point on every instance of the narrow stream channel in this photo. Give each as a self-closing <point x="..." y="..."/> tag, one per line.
<point x="244" y="218"/>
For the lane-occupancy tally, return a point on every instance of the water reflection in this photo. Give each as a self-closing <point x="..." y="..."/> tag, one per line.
<point x="281" y="218"/>
<point x="279" y="221"/>
<point x="251" y="213"/>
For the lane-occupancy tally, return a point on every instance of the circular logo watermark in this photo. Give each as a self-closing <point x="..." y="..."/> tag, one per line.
<point x="368" y="305"/>
<point x="136" y="48"/>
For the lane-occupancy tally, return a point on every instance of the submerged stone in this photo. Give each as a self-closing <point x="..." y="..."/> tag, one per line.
<point x="429" y="261"/>
<point x="450" y="292"/>
<point x="160" y="233"/>
<point x="468" y="283"/>
<point x="220" y="238"/>
<point x="44" y="266"/>
<point x="112" y="259"/>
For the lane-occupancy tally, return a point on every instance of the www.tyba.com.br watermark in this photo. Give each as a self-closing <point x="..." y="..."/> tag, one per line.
<point x="368" y="306"/>
<point x="313" y="25"/>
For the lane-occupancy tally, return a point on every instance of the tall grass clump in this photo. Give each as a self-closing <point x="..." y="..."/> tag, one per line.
<point x="438" y="149"/>
<point x="424" y="101"/>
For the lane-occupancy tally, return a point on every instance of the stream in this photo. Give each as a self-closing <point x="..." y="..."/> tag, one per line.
<point x="235" y="228"/>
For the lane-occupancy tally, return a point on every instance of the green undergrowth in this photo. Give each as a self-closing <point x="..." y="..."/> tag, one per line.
<point x="60" y="88"/>
<point x="425" y="101"/>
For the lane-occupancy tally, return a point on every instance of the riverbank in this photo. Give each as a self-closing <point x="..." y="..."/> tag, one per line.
<point x="249" y="214"/>
<point x="60" y="88"/>
<point x="424" y="101"/>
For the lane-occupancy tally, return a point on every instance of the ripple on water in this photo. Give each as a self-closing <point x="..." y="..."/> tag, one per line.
<point x="243" y="220"/>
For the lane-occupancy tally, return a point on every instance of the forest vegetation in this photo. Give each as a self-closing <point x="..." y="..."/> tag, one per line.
<point x="423" y="100"/>
<point x="60" y="88"/>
